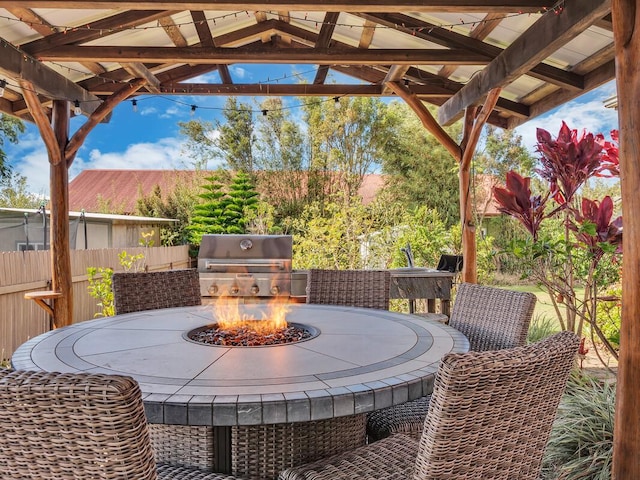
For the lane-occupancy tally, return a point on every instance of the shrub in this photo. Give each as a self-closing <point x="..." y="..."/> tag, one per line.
<point x="581" y="442"/>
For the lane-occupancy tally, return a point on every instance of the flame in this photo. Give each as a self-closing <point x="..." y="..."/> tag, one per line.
<point x="229" y="315"/>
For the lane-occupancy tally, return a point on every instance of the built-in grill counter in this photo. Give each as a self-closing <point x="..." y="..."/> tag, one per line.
<point x="411" y="283"/>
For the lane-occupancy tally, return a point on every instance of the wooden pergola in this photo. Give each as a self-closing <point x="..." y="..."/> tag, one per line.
<point x="503" y="62"/>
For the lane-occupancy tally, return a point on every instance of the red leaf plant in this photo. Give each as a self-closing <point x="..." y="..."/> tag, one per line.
<point x="516" y="200"/>
<point x="568" y="161"/>
<point x="606" y="231"/>
<point x="610" y="156"/>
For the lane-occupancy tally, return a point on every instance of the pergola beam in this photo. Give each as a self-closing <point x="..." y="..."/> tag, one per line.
<point x="138" y="70"/>
<point x="541" y="39"/>
<point x="44" y="80"/>
<point x="265" y="54"/>
<point x="504" y="6"/>
<point x="450" y="39"/>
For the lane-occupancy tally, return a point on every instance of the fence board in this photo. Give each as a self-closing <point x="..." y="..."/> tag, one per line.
<point x="22" y="272"/>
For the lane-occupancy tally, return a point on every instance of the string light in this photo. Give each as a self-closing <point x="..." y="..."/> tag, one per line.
<point x="193" y="110"/>
<point x="336" y="102"/>
<point x="3" y="83"/>
<point x="134" y="105"/>
<point x="556" y="8"/>
<point x="76" y="107"/>
<point x="264" y="112"/>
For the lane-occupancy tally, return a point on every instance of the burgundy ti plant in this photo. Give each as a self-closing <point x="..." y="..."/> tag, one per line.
<point x="562" y="263"/>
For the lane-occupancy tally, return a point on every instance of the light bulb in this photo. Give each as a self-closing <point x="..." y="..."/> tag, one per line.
<point x="76" y="108"/>
<point x="264" y="113"/>
<point x="336" y="102"/>
<point x="3" y="83"/>
<point x="134" y="105"/>
<point x="193" y="110"/>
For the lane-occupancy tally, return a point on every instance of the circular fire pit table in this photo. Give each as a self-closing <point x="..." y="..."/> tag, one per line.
<point x="253" y="411"/>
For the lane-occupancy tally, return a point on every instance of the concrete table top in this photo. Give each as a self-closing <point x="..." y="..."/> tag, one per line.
<point x="362" y="360"/>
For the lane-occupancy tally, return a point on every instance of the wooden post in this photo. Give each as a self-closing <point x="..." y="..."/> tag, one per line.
<point x="626" y="437"/>
<point x="59" y="190"/>
<point x="473" y="125"/>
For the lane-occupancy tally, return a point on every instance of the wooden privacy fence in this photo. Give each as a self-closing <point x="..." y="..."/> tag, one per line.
<point x="22" y="272"/>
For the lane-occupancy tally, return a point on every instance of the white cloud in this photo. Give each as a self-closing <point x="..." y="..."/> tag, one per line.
<point x="148" y="111"/>
<point x="165" y="153"/>
<point x="238" y="72"/>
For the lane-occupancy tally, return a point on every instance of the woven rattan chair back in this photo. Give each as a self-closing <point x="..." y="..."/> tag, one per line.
<point x="70" y="426"/>
<point x="492" y="318"/>
<point x="137" y="291"/>
<point x="491" y="412"/>
<point x="353" y="288"/>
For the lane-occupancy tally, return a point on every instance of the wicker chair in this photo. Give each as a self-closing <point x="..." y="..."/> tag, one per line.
<point x="492" y="319"/>
<point x="70" y="426"/>
<point x="353" y="288"/>
<point x="490" y="417"/>
<point x="137" y="291"/>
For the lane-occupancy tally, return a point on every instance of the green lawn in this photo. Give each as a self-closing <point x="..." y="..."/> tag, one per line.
<point x="544" y="307"/>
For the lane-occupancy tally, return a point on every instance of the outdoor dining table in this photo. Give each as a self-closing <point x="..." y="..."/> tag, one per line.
<point x="253" y="411"/>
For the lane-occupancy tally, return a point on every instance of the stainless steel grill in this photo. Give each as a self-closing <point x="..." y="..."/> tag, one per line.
<point x="245" y="265"/>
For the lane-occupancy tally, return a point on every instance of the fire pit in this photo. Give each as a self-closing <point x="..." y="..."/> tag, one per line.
<point x="250" y="334"/>
<point x="250" y="326"/>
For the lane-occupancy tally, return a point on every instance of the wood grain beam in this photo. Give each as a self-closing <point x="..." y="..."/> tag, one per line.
<point x="626" y="433"/>
<point x="453" y="6"/>
<point x="594" y="79"/>
<point x="172" y="31"/>
<point x="20" y="65"/>
<point x="543" y="38"/>
<point x="42" y="121"/>
<point x="427" y="119"/>
<point x="95" y="30"/>
<point x="479" y="32"/>
<point x="265" y="54"/>
<point x="44" y="28"/>
<point x="206" y="40"/>
<point x="138" y="70"/>
<point x="366" y="37"/>
<point x="323" y="41"/>
<point x="450" y="39"/>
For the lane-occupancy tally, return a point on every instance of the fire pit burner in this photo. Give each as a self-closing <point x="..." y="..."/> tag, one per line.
<point x="248" y="335"/>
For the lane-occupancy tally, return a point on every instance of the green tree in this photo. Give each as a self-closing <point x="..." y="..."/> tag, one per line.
<point x="178" y="204"/>
<point x="421" y="171"/>
<point x="208" y="216"/>
<point x="10" y="128"/>
<point x="282" y="158"/>
<point x="242" y="200"/>
<point x="200" y="141"/>
<point x="14" y="193"/>
<point x="236" y="136"/>
<point x="347" y="139"/>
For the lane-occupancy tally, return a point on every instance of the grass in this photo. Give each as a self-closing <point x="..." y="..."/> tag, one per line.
<point x="581" y="442"/>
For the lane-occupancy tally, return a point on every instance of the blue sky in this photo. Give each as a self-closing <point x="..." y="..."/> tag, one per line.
<point x="149" y="138"/>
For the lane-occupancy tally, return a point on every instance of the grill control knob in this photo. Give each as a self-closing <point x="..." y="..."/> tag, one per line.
<point x="234" y="290"/>
<point x="275" y="290"/>
<point x="254" y="289"/>
<point x="213" y="289"/>
<point x="246" y="244"/>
